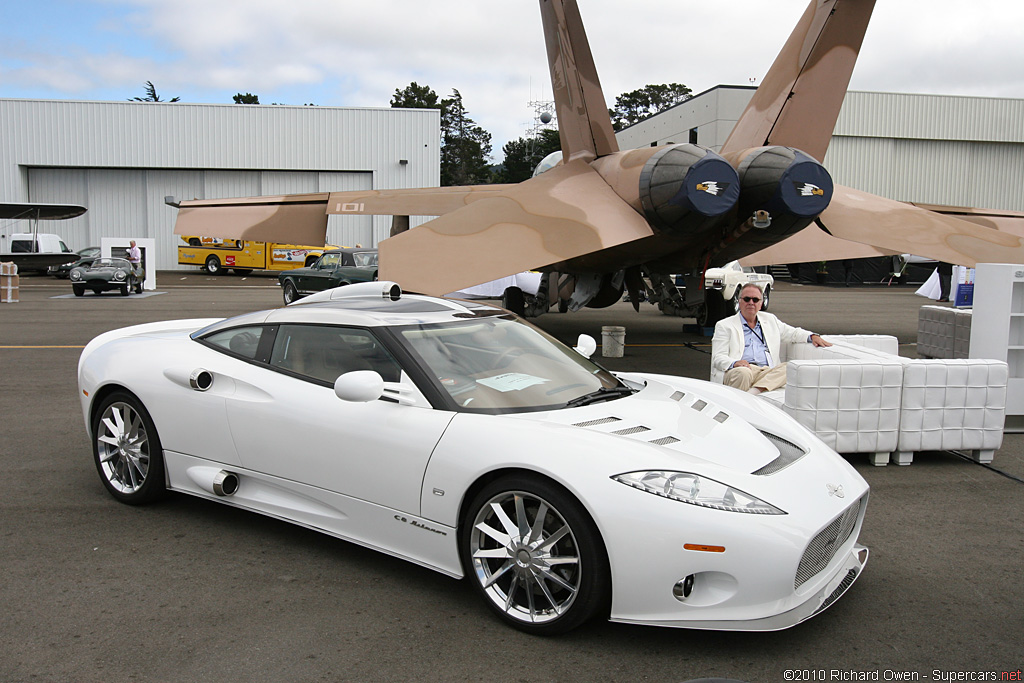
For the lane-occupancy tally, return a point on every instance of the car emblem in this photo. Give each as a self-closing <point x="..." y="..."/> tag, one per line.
<point x="836" y="491"/>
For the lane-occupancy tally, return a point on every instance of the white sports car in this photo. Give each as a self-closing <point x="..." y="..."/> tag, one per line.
<point x="457" y="436"/>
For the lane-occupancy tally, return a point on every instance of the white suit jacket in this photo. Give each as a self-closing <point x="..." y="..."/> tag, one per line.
<point x="727" y="345"/>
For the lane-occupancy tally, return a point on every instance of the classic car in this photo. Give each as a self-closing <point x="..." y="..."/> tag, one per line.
<point x="104" y="274"/>
<point x="85" y="256"/>
<point x="334" y="268"/>
<point x="457" y="436"/>
<point x="730" y="277"/>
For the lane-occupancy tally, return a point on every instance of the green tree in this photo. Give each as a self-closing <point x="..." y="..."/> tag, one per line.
<point x="465" y="146"/>
<point x="247" y="98"/>
<point x="637" y="105"/>
<point x="523" y="155"/>
<point x="151" y="95"/>
<point x="415" y="96"/>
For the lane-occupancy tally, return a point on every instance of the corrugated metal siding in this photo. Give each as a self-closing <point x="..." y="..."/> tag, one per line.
<point x="96" y="153"/>
<point x="941" y="149"/>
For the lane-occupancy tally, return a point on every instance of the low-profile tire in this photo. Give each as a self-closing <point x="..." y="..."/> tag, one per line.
<point x="535" y="555"/>
<point x="213" y="266"/>
<point x="514" y="300"/>
<point x="290" y="293"/>
<point x="765" y="297"/>
<point x="79" y="290"/>
<point x="126" y="450"/>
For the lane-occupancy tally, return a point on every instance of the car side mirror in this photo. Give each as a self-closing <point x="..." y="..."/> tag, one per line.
<point x="585" y="346"/>
<point x="359" y="386"/>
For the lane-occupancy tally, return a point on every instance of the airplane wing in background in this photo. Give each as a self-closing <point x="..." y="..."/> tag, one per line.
<point x="907" y="229"/>
<point x="564" y="213"/>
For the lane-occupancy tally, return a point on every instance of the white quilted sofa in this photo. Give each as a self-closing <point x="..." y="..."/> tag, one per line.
<point x="860" y="396"/>
<point x="944" y="332"/>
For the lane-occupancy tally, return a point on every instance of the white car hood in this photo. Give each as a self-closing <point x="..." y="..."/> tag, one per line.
<point x="692" y="418"/>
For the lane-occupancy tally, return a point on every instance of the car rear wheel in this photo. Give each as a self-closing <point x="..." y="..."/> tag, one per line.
<point x="127" y="450"/>
<point x="290" y="293"/>
<point x="535" y="555"/>
<point x="213" y="266"/>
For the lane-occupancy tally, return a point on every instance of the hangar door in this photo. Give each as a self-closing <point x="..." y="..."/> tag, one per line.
<point x="130" y="202"/>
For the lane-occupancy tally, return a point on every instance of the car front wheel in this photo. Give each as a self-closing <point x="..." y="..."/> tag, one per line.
<point x="79" y="290"/>
<point x="535" y="555"/>
<point x="290" y="293"/>
<point x="127" y="450"/>
<point x="764" y="300"/>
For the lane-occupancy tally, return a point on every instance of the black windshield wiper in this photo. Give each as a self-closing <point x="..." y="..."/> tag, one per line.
<point x="602" y="394"/>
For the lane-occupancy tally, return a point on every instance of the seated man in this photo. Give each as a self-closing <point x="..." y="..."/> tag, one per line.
<point x="745" y="348"/>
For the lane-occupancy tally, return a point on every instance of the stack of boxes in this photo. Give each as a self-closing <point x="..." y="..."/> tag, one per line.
<point x="8" y="283"/>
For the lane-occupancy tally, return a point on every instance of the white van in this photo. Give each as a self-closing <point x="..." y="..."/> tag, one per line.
<point x="38" y="243"/>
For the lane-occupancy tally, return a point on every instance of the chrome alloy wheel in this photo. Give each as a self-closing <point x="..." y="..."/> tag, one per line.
<point x="525" y="557"/>
<point x="122" y="448"/>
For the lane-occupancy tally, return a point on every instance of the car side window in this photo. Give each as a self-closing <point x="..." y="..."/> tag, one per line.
<point x="328" y="261"/>
<point x="240" y="341"/>
<point x="324" y="352"/>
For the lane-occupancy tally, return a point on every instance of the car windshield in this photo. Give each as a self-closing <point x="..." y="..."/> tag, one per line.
<point x="108" y="263"/>
<point x="504" y="365"/>
<point x="365" y="258"/>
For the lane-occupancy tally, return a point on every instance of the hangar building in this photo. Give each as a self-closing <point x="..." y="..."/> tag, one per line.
<point x="120" y="159"/>
<point x="932" y="149"/>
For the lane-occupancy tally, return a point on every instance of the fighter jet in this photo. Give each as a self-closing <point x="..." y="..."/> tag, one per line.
<point x="604" y="219"/>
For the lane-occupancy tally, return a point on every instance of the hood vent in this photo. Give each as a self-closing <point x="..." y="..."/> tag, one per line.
<point x="639" y="429"/>
<point x="699" y="405"/>
<point x="789" y="453"/>
<point x="665" y="441"/>
<point x="721" y="417"/>
<point x="678" y="396"/>
<point x="599" y="421"/>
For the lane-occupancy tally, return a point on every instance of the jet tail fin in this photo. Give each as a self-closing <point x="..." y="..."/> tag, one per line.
<point x="584" y="126"/>
<point x="798" y="101"/>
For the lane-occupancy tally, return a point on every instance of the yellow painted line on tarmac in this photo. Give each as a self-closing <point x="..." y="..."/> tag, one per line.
<point x="80" y="346"/>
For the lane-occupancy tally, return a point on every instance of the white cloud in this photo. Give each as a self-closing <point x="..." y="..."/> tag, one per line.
<point x="342" y="53"/>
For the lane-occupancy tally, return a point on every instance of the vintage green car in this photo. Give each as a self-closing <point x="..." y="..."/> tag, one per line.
<point x="335" y="268"/>
<point x="103" y="274"/>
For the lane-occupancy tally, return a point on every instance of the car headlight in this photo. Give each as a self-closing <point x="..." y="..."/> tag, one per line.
<point x="76" y="274"/>
<point x="119" y="275"/>
<point x="695" y="489"/>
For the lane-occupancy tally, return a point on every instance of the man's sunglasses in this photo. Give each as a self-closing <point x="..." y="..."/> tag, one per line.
<point x="751" y="299"/>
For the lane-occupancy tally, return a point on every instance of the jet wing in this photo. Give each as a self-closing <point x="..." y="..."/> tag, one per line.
<point x="812" y="244"/>
<point x="292" y="219"/>
<point x="907" y="229"/>
<point x="567" y="212"/>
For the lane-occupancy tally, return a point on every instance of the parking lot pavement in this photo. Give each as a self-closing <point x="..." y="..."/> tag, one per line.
<point x="187" y="590"/>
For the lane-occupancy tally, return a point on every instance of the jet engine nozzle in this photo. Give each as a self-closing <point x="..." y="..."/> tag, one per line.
<point x="782" y="180"/>
<point x="682" y="186"/>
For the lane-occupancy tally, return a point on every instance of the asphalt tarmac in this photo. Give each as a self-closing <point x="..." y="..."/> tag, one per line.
<point x="188" y="590"/>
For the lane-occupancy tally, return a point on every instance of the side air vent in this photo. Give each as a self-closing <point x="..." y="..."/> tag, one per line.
<point x="789" y="453"/>
<point x="639" y="429"/>
<point x="665" y="441"/>
<point x="599" y="421"/>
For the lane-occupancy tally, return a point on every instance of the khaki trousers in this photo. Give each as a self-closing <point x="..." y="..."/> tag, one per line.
<point x="744" y="378"/>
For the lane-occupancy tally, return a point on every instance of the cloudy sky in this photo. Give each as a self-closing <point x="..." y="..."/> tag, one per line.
<point x="344" y="53"/>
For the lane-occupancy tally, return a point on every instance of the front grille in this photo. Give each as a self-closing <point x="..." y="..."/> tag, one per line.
<point x="823" y="547"/>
